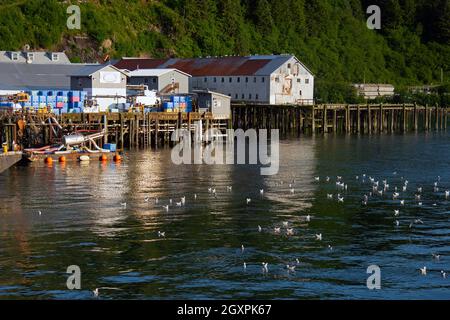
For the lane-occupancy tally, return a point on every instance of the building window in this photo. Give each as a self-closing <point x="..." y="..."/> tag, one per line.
<point x="254" y="79"/>
<point x="289" y="65"/>
<point x="30" y="56"/>
<point x="246" y="79"/>
<point x="236" y="95"/>
<point x="229" y="95"/>
<point x="239" y="79"/>
<point x="223" y="79"/>
<point x="231" y="79"/>
<point x="55" y="57"/>
<point x="263" y="79"/>
<point x="277" y="79"/>
<point x="256" y="97"/>
<point x="215" y="79"/>
<point x="299" y="80"/>
<point x="154" y="80"/>
<point x="250" y="96"/>
<point x="14" y="56"/>
<point x="300" y="92"/>
<point x="243" y="96"/>
<point x="206" y="79"/>
<point x="307" y="81"/>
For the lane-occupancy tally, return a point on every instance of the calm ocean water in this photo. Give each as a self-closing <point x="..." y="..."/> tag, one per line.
<point x="119" y="251"/>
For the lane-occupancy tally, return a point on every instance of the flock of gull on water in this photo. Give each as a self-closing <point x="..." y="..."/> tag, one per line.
<point x="377" y="189"/>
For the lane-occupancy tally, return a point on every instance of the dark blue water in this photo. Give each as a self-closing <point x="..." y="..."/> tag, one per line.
<point x="119" y="251"/>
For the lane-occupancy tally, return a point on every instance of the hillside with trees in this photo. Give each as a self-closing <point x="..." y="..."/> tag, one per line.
<point x="329" y="36"/>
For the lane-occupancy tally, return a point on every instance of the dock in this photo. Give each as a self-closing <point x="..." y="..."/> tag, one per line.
<point x="154" y="129"/>
<point x="126" y="129"/>
<point x="9" y="159"/>
<point x="341" y="118"/>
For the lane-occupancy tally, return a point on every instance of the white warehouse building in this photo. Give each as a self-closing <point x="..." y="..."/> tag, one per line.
<point x="268" y="79"/>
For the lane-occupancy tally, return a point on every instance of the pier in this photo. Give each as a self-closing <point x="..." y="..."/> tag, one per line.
<point x="9" y="159"/>
<point x="341" y="118"/>
<point x="126" y="130"/>
<point x="154" y="129"/>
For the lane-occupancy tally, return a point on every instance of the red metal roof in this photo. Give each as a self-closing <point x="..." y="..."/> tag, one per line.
<point x="223" y="66"/>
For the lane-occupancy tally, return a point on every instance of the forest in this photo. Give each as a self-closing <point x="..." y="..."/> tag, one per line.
<point x="330" y="36"/>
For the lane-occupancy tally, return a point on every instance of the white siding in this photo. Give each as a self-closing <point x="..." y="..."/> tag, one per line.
<point x="241" y="88"/>
<point x="289" y="85"/>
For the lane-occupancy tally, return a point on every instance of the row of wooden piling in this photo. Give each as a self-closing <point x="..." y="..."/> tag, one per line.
<point x="126" y="130"/>
<point x="361" y="118"/>
<point x="139" y="130"/>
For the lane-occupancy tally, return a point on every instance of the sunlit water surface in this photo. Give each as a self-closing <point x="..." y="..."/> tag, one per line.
<point x="118" y="249"/>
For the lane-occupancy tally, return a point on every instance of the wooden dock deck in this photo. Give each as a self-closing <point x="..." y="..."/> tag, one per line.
<point x="9" y="159"/>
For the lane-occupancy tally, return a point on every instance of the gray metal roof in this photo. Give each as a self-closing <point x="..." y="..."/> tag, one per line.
<point x="88" y="70"/>
<point x="33" y="57"/>
<point x="20" y="76"/>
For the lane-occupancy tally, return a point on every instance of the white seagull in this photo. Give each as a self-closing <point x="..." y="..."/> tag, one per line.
<point x="423" y="271"/>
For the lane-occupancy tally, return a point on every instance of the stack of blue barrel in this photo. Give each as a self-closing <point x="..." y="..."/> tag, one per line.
<point x="62" y="101"/>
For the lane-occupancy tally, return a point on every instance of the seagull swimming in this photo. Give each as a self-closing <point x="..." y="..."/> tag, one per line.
<point x="166" y="207"/>
<point x="290" y="268"/>
<point x="248" y="200"/>
<point x="277" y="230"/>
<point x="308" y="218"/>
<point x="329" y="196"/>
<point x="265" y="267"/>
<point x="40" y="212"/>
<point x="290" y="232"/>
<point x="319" y="237"/>
<point x="444" y="275"/>
<point x="95" y="292"/>
<point x="396" y="212"/>
<point x="423" y="271"/>
<point x="123" y="204"/>
<point x="259" y="229"/>
<point x="261" y="191"/>
<point x="436" y="256"/>
<point x="146" y="199"/>
<point x="161" y="234"/>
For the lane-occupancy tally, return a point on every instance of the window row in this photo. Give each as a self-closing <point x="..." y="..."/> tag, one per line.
<point x="244" y="97"/>
<point x="237" y="79"/>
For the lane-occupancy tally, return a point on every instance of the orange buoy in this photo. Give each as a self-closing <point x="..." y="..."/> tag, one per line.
<point x="103" y="158"/>
<point x="62" y="159"/>
<point x="117" y="158"/>
<point x="48" y="160"/>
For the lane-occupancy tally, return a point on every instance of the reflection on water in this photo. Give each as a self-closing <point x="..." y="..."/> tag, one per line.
<point x="84" y="223"/>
